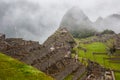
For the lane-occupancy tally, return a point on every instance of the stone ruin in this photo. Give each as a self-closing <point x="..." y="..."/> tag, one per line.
<point x="53" y="57"/>
<point x="97" y="72"/>
<point x="100" y="38"/>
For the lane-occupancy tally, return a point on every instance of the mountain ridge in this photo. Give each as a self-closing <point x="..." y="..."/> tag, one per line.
<point x="75" y="20"/>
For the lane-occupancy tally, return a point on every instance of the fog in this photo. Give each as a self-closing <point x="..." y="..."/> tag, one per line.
<point x="38" y="19"/>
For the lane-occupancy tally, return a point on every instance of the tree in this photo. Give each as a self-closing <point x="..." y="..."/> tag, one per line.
<point x="83" y="33"/>
<point x="108" y="32"/>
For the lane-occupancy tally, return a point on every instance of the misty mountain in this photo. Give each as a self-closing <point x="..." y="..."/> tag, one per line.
<point x="26" y="19"/>
<point x="77" y="22"/>
<point x="38" y="19"/>
<point x="75" y="19"/>
<point x="111" y="22"/>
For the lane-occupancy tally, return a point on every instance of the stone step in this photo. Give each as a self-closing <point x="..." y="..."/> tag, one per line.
<point x="35" y="55"/>
<point x="69" y="66"/>
<point x="68" y="70"/>
<point x="81" y="69"/>
<point x="48" y="60"/>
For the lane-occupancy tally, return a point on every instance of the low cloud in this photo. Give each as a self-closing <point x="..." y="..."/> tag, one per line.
<point x="38" y="19"/>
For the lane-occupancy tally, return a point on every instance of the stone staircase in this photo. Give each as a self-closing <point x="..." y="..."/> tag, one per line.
<point x="68" y="69"/>
<point x="78" y="72"/>
<point x="48" y="60"/>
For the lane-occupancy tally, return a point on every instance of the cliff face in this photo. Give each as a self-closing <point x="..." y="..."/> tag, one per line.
<point x="53" y="57"/>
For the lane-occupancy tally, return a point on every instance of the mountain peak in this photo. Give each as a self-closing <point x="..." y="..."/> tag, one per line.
<point x="76" y="13"/>
<point x="99" y="19"/>
<point x="76" y="9"/>
<point x="74" y="19"/>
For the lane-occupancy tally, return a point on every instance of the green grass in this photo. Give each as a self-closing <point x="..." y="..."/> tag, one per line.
<point x="98" y="47"/>
<point x="11" y="69"/>
<point x="93" y="47"/>
<point x="117" y="76"/>
<point x="69" y="77"/>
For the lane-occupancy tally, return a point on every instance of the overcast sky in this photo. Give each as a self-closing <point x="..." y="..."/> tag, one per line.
<point x="92" y="8"/>
<point x="38" y="19"/>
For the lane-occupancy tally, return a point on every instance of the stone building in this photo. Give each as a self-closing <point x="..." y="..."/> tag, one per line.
<point x="49" y="57"/>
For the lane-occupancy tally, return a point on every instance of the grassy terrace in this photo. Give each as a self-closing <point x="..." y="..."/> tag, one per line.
<point x="11" y="69"/>
<point x="100" y="48"/>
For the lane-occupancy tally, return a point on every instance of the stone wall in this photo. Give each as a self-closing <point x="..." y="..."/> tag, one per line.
<point x="49" y="57"/>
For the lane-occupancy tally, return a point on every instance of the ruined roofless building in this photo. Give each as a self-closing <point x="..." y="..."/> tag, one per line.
<point x="52" y="62"/>
<point x="61" y="38"/>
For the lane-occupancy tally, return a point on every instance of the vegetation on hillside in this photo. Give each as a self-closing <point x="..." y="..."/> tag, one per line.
<point x="98" y="47"/>
<point x="11" y="69"/>
<point x="108" y="32"/>
<point x="83" y="33"/>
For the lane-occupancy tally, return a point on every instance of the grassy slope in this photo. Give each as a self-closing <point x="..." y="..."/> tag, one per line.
<point x="11" y="69"/>
<point x="94" y="47"/>
<point x="69" y="77"/>
<point x="98" y="47"/>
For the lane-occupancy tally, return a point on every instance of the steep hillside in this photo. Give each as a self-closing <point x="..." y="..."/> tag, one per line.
<point x="98" y="49"/>
<point x="75" y="19"/>
<point x="11" y="69"/>
<point x="77" y="22"/>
